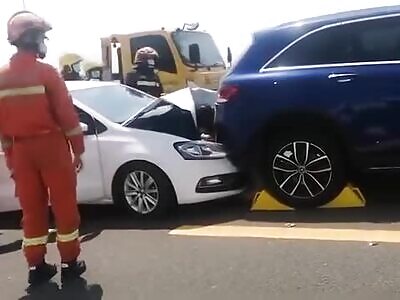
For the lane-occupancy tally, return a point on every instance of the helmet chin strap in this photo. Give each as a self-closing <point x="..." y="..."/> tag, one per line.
<point x="34" y="41"/>
<point x="42" y="50"/>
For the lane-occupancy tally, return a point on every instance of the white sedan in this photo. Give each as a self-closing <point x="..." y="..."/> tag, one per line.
<point x="142" y="153"/>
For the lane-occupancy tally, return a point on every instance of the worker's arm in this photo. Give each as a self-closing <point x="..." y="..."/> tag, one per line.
<point x="131" y="80"/>
<point x="6" y="147"/>
<point x="161" y="87"/>
<point x="63" y="109"/>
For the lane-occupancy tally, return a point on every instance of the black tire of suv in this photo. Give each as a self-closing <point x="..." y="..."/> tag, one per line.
<point x="327" y="144"/>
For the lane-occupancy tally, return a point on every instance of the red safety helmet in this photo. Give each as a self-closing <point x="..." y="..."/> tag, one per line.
<point x="146" y="54"/>
<point x="24" y="21"/>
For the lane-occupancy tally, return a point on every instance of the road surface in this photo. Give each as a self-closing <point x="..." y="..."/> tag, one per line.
<point x="223" y="251"/>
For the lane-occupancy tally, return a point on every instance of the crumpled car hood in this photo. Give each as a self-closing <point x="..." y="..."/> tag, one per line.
<point x="177" y="113"/>
<point x="192" y="98"/>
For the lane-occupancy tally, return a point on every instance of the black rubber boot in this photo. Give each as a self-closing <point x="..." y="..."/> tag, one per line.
<point x="72" y="270"/>
<point x="41" y="273"/>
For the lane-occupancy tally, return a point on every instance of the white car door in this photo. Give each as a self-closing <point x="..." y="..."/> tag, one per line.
<point x="8" y="201"/>
<point x="90" y="178"/>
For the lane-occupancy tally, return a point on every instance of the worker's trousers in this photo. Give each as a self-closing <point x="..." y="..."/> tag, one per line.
<point x="43" y="171"/>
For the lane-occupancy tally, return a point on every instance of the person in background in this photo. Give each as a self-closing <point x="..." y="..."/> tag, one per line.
<point x="143" y="76"/>
<point x="70" y="65"/>
<point x="70" y="74"/>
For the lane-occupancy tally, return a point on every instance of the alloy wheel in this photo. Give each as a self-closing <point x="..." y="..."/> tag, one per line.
<point x="302" y="170"/>
<point x="141" y="192"/>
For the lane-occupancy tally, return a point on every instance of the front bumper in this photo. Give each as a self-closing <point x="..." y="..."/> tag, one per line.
<point x="221" y="183"/>
<point x="192" y="173"/>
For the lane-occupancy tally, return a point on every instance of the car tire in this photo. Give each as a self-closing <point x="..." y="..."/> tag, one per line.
<point x="317" y="173"/>
<point x="144" y="190"/>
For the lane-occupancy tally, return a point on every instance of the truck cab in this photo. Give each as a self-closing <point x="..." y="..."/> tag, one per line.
<point x="185" y="57"/>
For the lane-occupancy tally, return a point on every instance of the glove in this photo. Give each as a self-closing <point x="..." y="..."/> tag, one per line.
<point x="8" y="156"/>
<point x="78" y="148"/>
<point x="78" y="164"/>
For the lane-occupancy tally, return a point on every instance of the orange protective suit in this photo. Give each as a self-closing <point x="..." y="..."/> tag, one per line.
<point x="38" y="128"/>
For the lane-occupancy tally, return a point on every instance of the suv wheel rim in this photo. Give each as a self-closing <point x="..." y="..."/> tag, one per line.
<point x="302" y="170"/>
<point x="141" y="192"/>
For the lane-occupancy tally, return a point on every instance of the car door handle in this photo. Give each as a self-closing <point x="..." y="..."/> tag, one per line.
<point x="343" y="77"/>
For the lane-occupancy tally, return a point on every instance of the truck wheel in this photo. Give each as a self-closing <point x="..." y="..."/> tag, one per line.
<point x="304" y="170"/>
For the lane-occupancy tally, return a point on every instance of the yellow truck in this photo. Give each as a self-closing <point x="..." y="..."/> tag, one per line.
<point x="185" y="57"/>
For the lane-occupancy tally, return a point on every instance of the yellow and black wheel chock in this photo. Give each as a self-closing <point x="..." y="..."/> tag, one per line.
<point x="350" y="197"/>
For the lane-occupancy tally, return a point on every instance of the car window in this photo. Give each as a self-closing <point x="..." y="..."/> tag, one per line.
<point x="116" y="102"/>
<point x="329" y="46"/>
<point x="367" y="41"/>
<point x="379" y="40"/>
<point x="84" y="117"/>
<point x="94" y="125"/>
<point x="166" y="60"/>
<point x="209" y="53"/>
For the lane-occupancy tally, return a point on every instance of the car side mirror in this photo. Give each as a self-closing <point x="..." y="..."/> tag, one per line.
<point x="194" y="53"/>
<point x="84" y="127"/>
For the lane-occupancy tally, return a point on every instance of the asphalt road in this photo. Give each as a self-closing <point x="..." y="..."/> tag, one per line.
<point x="133" y="259"/>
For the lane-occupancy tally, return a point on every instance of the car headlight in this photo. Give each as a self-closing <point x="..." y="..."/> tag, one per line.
<point x="200" y="150"/>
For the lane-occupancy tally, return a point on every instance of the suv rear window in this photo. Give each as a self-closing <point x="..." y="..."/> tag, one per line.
<point x="367" y="41"/>
<point x="380" y="42"/>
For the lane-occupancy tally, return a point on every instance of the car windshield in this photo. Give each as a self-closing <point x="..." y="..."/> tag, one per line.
<point x="209" y="54"/>
<point x="115" y="102"/>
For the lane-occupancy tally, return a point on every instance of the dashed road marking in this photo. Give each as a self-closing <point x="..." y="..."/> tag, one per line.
<point x="323" y="234"/>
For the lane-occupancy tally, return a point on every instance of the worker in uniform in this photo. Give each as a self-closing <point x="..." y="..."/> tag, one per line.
<point x="70" y="74"/>
<point x="39" y="132"/>
<point x="93" y="70"/>
<point x="144" y="76"/>
<point x="70" y="65"/>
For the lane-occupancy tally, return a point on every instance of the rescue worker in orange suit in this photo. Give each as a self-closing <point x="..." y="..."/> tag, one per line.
<point x="39" y="132"/>
<point x="143" y="76"/>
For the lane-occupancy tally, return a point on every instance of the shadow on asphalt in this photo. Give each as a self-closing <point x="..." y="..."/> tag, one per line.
<point x="11" y="247"/>
<point x="382" y="196"/>
<point x="96" y="218"/>
<point x="76" y="290"/>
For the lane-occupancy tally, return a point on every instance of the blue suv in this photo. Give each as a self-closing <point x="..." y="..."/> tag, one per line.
<point x="311" y="102"/>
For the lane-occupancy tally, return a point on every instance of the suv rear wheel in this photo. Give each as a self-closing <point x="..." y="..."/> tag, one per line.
<point x="303" y="170"/>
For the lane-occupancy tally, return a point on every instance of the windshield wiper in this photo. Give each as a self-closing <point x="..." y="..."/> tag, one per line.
<point x="197" y="65"/>
<point x="218" y="64"/>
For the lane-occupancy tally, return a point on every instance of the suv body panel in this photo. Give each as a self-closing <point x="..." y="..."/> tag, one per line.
<point x="360" y="99"/>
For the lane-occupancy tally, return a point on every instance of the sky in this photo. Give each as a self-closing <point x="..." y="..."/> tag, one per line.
<point x="79" y="24"/>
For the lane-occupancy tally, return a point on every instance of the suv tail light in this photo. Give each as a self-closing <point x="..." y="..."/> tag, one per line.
<point x="227" y="93"/>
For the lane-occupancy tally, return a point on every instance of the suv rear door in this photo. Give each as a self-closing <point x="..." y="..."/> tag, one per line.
<point x="342" y="71"/>
<point x="375" y="121"/>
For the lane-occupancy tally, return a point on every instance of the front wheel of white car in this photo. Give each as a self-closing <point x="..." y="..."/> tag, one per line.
<point x="144" y="190"/>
